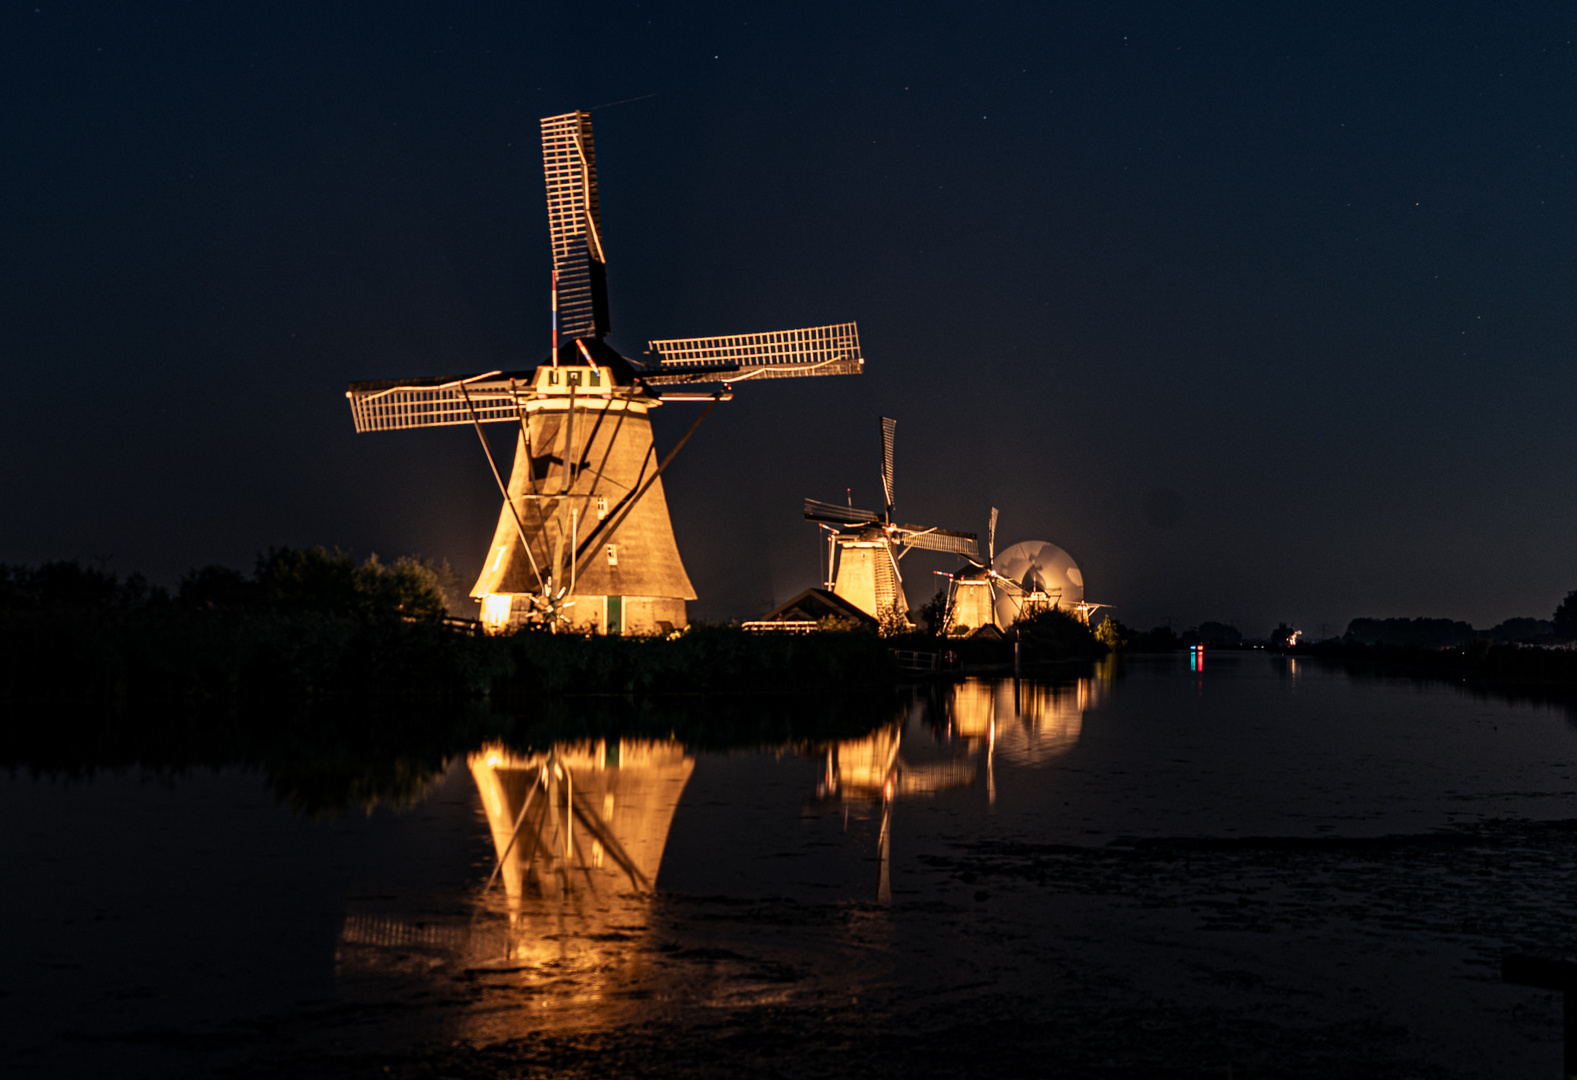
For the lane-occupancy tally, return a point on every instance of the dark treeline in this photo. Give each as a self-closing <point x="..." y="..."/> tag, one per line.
<point x="1437" y="633"/>
<point x="1559" y="628"/>
<point x="1447" y="632"/>
<point x="283" y="579"/>
<point x="311" y="625"/>
<point x="304" y="625"/>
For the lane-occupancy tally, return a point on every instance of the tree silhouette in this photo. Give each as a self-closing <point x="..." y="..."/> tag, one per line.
<point x="1565" y="617"/>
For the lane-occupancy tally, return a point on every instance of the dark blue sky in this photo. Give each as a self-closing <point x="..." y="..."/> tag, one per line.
<point x="1262" y="311"/>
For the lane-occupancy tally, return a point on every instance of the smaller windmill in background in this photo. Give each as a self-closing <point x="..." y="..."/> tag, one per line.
<point x="865" y="548"/>
<point x="972" y="592"/>
<point x="1032" y="576"/>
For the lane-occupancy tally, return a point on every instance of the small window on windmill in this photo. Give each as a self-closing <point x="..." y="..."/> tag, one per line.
<point x="613" y="554"/>
<point x="602" y="507"/>
<point x="553" y="378"/>
<point x="595" y="378"/>
<point x="574" y="378"/>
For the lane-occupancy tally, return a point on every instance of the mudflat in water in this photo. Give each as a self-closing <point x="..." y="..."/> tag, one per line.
<point x="1264" y="868"/>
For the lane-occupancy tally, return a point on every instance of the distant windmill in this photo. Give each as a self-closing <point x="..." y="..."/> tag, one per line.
<point x="866" y="547"/>
<point x="972" y="592"/>
<point x="584" y="540"/>
<point x="1040" y="576"/>
<point x="1030" y="577"/>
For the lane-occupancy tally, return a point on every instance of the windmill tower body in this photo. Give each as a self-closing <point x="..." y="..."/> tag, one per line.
<point x="587" y="451"/>
<point x="972" y="594"/>
<point x="865" y="575"/>
<point x="583" y="540"/>
<point x="972" y="607"/>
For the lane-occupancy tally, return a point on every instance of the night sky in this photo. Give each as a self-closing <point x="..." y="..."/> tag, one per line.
<point x="1263" y="312"/>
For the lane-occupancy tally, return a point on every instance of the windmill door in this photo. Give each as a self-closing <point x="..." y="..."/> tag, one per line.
<point x="613" y="616"/>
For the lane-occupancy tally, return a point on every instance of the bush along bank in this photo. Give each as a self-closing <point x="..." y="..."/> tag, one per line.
<point x="704" y="659"/>
<point x="1046" y="637"/>
<point x="312" y="625"/>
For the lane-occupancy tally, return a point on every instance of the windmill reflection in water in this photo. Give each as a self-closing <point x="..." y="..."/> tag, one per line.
<point x="578" y="833"/>
<point x="950" y="733"/>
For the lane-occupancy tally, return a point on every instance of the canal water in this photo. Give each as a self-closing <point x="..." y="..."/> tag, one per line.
<point x="1264" y="867"/>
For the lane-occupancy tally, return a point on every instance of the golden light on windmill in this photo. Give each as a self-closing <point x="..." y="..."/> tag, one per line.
<point x="583" y="540"/>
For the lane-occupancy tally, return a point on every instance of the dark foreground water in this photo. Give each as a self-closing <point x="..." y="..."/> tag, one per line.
<point x="1266" y="868"/>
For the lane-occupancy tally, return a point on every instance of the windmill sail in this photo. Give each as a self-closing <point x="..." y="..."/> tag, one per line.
<point x="955" y="543"/>
<point x="889" y="429"/>
<point x="438" y="401"/>
<point x="569" y="163"/>
<point x="833" y="514"/>
<point x="778" y="354"/>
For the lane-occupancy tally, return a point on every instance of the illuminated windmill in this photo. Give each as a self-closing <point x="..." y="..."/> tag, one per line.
<point x="972" y="593"/>
<point x="1031" y="576"/>
<point x="865" y="547"/>
<point x="584" y="540"/>
<point x="1040" y="576"/>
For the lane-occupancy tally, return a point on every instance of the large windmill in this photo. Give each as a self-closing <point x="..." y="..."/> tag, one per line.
<point x="584" y="540"/>
<point x="865" y="547"/>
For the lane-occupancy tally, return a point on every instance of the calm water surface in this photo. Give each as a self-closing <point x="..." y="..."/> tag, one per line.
<point x="1264" y="868"/>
